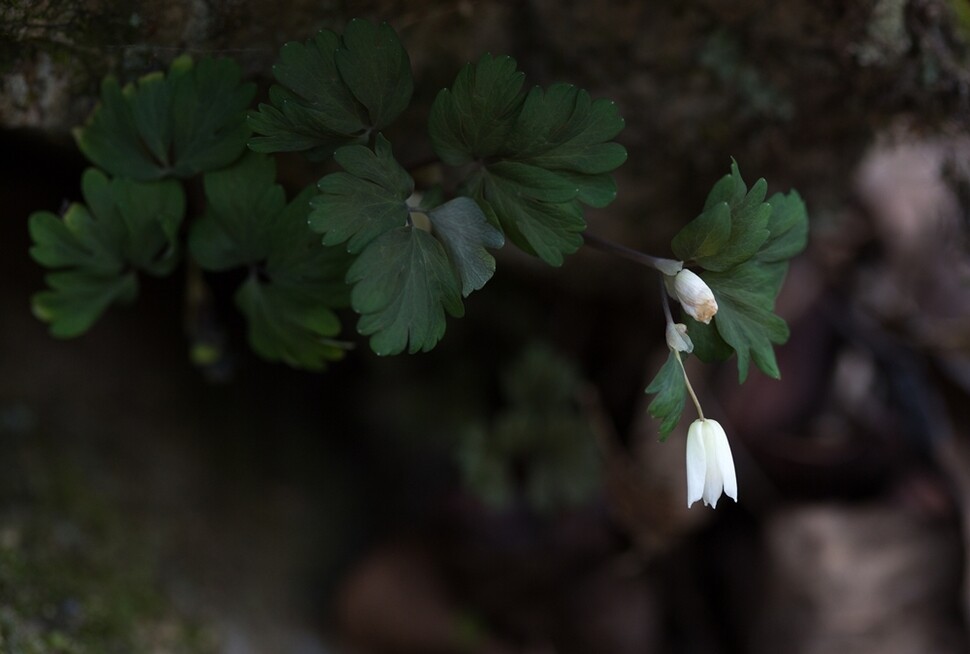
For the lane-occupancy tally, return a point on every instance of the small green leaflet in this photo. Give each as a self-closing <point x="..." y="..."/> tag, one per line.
<point x="535" y="207"/>
<point x="295" y="283"/>
<point x="671" y="393"/>
<point x="290" y="324"/>
<point x="123" y="225"/>
<point x="364" y="202"/>
<point x="334" y="91"/>
<point x="473" y="119"/>
<point x="405" y="278"/>
<point x="743" y="244"/>
<point x="732" y="227"/>
<point x="76" y="300"/>
<point x="190" y="121"/>
<point x="403" y="284"/>
<point x="542" y="153"/>
<point x="465" y="234"/>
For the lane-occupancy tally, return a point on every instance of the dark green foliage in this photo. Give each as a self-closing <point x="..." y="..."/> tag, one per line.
<point x="334" y="91"/>
<point x="190" y="121"/>
<point x="125" y="226"/>
<point x="367" y="200"/>
<point x="294" y="282"/>
<point x="403" y="284"/>
<point x="671" y="391"/>
<point x="743" y="245"/>
<point x="538" y="154"/>
<point x="405" y="278"/>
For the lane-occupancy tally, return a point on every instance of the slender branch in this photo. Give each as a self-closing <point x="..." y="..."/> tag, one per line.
<point x="665" y="302"/>
<point x="690" y="389"/>
<point x="666" y="266"/>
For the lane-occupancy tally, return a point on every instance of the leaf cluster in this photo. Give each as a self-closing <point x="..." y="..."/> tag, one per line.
<point x="149" y="135"/>
<point x="742" y="245"/>
<point x="122" y="227"/>
<point x="294" y="284"/>
<point x="177" y="125"/>
<point x="535" y="155"/>
<point x="406" y="277"/>
<point x="334" y="90"/>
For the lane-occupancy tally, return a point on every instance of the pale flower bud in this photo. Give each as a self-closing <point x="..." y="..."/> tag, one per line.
<point x="694" y="295"/>
<point x="677" y="338"/>
<point x="710" y="466"/>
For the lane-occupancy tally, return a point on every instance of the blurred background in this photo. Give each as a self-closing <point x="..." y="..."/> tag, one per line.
<point x="507" y="493"/>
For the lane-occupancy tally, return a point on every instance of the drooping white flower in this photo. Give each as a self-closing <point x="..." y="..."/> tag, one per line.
<point x="710" y="466"/>
<point x="677" y="338"/>
<point x="694" y="295"/>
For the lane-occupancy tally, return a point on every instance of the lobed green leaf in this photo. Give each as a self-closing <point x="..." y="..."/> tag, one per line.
<point x="403" y="284"/>
<point x="465" y="234"/>
<point x="334" y="91"/>
<point x="190" y="121"/>
<point x="474" y="118"/>
<point x="671" y="393"/>
<point x="364" y="202"/>
<point x="295" y="283"/>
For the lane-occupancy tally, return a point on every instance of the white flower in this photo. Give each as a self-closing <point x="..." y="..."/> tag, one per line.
<point x="710" y="466"/>
<point x="694" y="295"/>
<point x="677" y="338"/>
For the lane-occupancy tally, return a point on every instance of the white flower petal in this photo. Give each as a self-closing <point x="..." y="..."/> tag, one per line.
<point x="696" y="463"/>
<point x="713" y="483"/>
<point x="725" y="462"/>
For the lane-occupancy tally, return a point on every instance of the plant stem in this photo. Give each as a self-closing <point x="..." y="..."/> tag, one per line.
<point x="666" y="266"/>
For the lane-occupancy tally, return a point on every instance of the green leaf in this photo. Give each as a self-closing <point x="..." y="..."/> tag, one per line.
<point x="704" y="236"/>
<point x="542" y="153"/>
<point x="671" y="393"/>
<point x="465" y="234"/>
<point x="76" y="300"/>
<point x="474" y="118"/>
<point x="749" y="216"/>
<point x="744" y="245"/>
<point x="209" y="108"/>
<point x="124" y="225"/>
<point x="788" y="226"/>
<point x="191" y="120"/>
<point x="334" y="91"/>
<point x="403" y="284"/>
<point x="563" y="129"/>
<point x="376" y="68"/>
<point x="548" y="229"/>
<point x="294" y="283"/>
<point x="238" y="224"/>
<point x="745" y="320"/>
<point x="290" y="324"/>
<point x="708" y="344"/>
<point x="364" y="202"/>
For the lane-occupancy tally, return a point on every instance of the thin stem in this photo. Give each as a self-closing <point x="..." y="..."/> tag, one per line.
<point x="665" y="302"/>
<point x="666" y="266"/>
<point x="690" y="389"/>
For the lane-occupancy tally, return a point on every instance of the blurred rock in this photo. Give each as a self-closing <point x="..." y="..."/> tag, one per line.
<point x="867" y="579"/>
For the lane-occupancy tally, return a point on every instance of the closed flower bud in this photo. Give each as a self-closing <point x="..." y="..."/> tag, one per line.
<point x="710" y="466"/>
<point x="694" y="295"/>
<point x="677" y="338"/>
